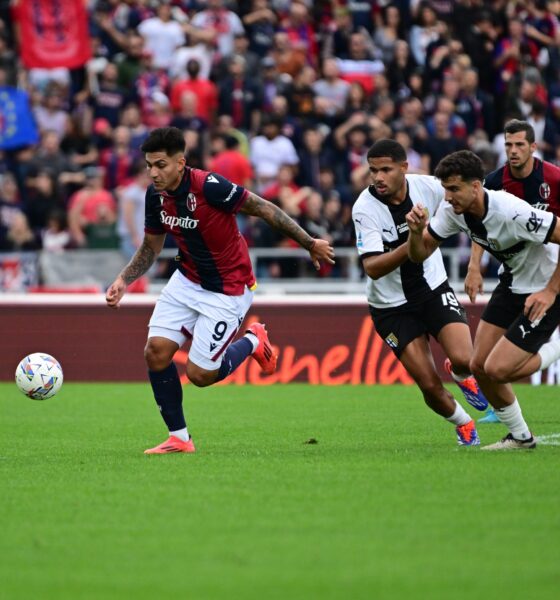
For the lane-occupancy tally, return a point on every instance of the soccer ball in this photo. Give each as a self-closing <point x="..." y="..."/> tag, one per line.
<point x="39" y="376"/>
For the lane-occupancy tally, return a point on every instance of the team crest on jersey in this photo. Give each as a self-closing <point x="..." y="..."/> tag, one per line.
<point x="191" y="202"/>
<point x="392" y="340"/>
<point x="544" y="191"/>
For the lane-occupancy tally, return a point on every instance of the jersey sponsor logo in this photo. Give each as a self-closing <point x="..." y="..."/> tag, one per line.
<point x="544" y="191"/>
<point x="392" y="340"/>
<point x="360" y="241"/>
<point x="541" y="205"/>
<point x="402" y="228"/>
<point x="480" y="241"/>
<point x="534" y="223"/>
<point x="191" y="202"/>
<point x="212" y="179"/>
<point x="182" y="222"/>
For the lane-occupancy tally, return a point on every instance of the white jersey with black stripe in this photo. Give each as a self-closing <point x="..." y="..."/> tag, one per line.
<point x="381" y="227"/>
<point x="514" y="232"/>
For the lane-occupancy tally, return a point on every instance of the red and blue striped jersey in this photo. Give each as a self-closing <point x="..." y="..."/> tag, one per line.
<point x="541" y="188"/>
<point x="200" y="215"/>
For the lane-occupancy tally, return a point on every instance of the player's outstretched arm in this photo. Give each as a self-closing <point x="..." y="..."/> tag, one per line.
<point x="539" y="302"/>
<point x="420" y="243"/>
<point x="474" y="280"/>
<point x="142" y="260"/>
<point x="318" y="249"/>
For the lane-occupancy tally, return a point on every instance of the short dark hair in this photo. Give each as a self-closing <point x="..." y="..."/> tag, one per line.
<point x="231" y="142"/>
<point x="515" y="126"/>
<point x="165" y="139"/>
<point x="386" y="148"/>
<point x="464" y="163"/>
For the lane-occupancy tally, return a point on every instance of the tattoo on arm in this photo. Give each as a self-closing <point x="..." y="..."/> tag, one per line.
<point x="277" y="218"/>
<point x="139" y="263"/>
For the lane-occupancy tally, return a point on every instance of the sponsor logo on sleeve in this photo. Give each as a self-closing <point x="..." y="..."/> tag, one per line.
<point x="231" y="194"/>
<point x="534" y="223"/>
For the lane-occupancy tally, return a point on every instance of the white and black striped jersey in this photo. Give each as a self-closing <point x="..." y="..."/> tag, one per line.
<point x="514" y="232"/>
<point x="381" y="227"/>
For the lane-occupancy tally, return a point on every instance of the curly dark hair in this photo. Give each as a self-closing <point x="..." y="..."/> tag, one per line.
<point x="464" y="163"/>
<point x="165" y="139"/>
<point x="386" y="148"/>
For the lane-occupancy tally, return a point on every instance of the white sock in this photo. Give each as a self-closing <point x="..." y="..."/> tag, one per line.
<point x="460" y="416"/>
<point x="459" y="378"/>
<point x="549" y="353"/>
<point x="253" y="339"/>
<point x="182" y="434"/>
<point x="512" y="418"/>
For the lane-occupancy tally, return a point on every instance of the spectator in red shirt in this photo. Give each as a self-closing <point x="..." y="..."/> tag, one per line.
<point x="301" y="33"/>
<point x="511" y="52"/>
<point x="204" y="90"/>
<point x="83" y="208"/>
<point x="117" y="161"/>
<point x="230" y="162"/>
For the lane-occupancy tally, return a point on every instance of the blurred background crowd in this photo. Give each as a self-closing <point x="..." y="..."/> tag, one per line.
<point x="281" y="96"/>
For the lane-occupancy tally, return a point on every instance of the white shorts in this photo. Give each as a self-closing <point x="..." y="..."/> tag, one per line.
<point x="185" y="310"/>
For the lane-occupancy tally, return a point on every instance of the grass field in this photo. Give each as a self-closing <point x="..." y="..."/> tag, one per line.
<point x="384" y="506"/>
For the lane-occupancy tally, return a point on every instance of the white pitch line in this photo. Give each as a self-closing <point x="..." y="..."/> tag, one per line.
<point x="553" y="439"/>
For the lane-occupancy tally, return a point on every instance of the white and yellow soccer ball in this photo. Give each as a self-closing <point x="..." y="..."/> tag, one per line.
<point x="39" y="376"/>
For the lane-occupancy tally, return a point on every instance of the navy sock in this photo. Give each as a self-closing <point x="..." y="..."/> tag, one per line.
<point x="234" y="356"/>
<point x="169" y="396"/>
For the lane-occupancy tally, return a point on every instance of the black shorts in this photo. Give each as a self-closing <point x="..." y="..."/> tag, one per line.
<point x="400" y="325"/>
<point x="505" y="310"/>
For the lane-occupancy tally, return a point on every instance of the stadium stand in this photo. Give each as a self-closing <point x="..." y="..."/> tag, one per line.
<point x="320" y="81"/>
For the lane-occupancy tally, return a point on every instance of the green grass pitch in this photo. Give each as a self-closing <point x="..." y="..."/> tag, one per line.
<point x="384" y="506"/>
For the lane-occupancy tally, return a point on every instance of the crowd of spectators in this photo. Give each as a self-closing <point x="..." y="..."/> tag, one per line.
<point x="281" y="96"/>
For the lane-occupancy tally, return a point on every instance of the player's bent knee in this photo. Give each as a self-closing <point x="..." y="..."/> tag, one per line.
<point x="431" y="388"/>
<point x="200" y="377"/>
<point x="476" y="367"/>
<point x="200" y="380"/>
<point x="156" y="356"/>
<point x="460" y="362"/>
<point x="498" y="373"/>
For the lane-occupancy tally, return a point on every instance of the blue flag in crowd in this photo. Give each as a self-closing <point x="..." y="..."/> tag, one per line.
<point x="17" y="125"/>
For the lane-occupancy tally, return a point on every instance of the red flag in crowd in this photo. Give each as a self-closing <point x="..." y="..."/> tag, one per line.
<point x="53" y="33"/>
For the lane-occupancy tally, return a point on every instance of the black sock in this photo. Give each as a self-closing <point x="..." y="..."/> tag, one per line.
<point x="234" y="356"/>
<point x="169" y="396"/>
